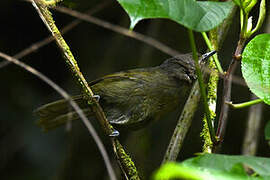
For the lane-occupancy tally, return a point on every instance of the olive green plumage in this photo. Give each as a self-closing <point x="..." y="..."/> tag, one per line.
<point x="130" y="98"/>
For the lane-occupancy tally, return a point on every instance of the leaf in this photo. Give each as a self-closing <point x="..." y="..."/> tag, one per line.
<point x="256" y="66"/>
<point x="198" y="16"/>
<point x="227" y="163"/>
<point x="216" y="166"/>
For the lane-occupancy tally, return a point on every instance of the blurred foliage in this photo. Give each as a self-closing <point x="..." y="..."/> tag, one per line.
<point x="28" y="153"/>
<point x="217" y="166"/>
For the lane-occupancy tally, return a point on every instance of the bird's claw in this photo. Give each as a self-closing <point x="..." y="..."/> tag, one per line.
<point x="97" y="97"/>
<point x="115" y="133"/>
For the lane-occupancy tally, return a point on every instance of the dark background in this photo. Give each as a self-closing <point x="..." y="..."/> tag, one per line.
<point x="28" y="153"/>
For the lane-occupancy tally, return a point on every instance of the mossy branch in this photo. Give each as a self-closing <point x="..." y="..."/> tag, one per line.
<point x="47" y="18"/>
<point x="202" y="86"/>
<point x="214" y="42"/>
<point x="45" y="14"/>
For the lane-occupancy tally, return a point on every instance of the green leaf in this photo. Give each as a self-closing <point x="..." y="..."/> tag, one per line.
<point x="216" y="166"/>
<point x="227" y="163"/>
<point x="256" y="66"/>
<point x="198" y="16"/>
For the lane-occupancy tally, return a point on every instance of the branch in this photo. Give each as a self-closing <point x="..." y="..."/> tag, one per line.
<point x="73" y="105"/>
<point x="246" y="32"/>
<point x="245" y="104"/>
<point x="202" y="87"/>
<point x="46" y="16"/>
<point x="215" y="41"/>
<point x="126" y="162"/>
<point x="190" y="107"/>
<point x="183" y="124"/>
<point x="146" y="39"/>
<point x="212" y="84"/>
<point x="223" y="117"/>
<point x="49" y="39"/>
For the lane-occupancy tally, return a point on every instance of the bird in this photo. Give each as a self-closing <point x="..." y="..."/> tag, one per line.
<point x="131" y="98"/>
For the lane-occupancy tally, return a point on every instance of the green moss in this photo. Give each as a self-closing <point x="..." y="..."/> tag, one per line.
<point x="208" y="144"/>
<point x="48" y="3"/>
<point x="126" y="162"/>
<point x="212" y="98"/>
<point x="212" y="84"/>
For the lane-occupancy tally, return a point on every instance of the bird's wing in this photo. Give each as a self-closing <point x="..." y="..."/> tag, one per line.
<point x="133" y="75"/>
<point x="122" y="95"/>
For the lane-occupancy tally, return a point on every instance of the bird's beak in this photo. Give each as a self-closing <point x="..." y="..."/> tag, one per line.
<point x="207" y="55"/>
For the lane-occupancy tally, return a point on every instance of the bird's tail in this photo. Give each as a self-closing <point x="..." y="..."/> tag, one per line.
<point x="60" y="112"/>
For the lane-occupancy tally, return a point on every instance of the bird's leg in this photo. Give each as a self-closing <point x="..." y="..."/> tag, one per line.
<point x="115" y="133"/>
<point x="97" y="97"/>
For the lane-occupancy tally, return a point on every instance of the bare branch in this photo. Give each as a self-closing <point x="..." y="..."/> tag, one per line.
<point x="34" y="47"/>
<point x="183" y="124"/>
<point x="146" y="39"/>
<point x="223" y="117"/>
<point x="73" y="105"/>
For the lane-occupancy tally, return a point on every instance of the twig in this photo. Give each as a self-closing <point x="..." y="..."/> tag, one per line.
<point x="227" y="90"/>
<point x="245" y="104"/>
<point x="252" y="128"/>
<point x="246" y="32"/>
<point x="73" y="105"/>
<point x="49" y="39"/>
<point x="215" y="41"/>
<point x="146" y="39"/>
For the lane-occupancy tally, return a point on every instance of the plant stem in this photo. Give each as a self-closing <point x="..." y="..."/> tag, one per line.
<point x="245" y="104"/>
<point x="244" y="35"/>
<point x="211" y="89"/>
<point x="227" y="90"/>
<point x="202" y="86"/>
